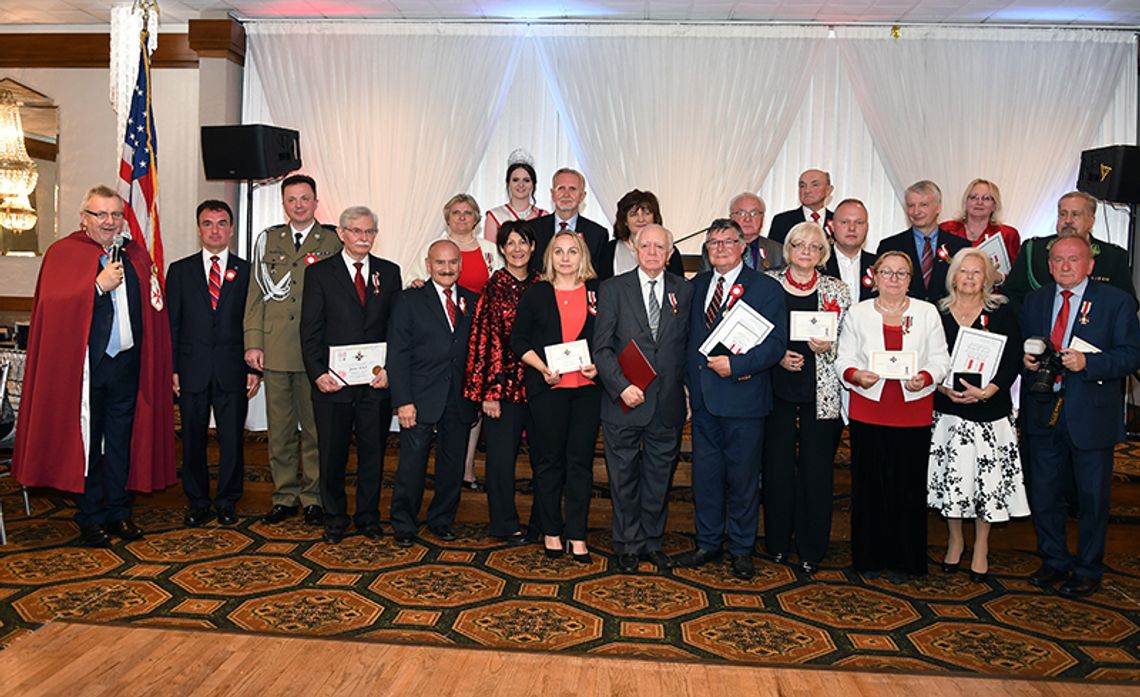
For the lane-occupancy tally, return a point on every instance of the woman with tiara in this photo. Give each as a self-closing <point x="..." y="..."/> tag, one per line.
<point x="520" y="191"/>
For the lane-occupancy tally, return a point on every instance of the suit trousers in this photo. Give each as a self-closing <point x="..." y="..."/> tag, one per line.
<point x="565" y="435"/>
<point x="640" y="461"/>
<point x="229" y="416"/>
<point x="368" y="416"/>
<point x="114" y="388"/>
<point x="288" y="402"/>
<point x="888" y="497"/>
<point x="1056" y="462"/>
<point x="798" y="477"/>
<point x="450" y="451"/>
<point x="726" y="480"/>
<point x="503" y="436"/>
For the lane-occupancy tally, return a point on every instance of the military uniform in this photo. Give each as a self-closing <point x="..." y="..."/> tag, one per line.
<point x="273" y="326"/>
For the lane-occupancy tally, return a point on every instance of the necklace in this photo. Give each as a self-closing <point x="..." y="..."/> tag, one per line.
<point x="891" y="310"/>
<point x="801" y="286"/>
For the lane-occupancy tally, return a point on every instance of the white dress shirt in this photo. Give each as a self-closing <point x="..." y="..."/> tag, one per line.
<point x="223" y="259"/>
<point x="350" y="264"/>
<point x="443" y="300"/>
<point x="729" y="279"/>
<point x="849" y="271"/>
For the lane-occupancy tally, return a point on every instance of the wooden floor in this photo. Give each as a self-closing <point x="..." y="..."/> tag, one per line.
<point x="117" y="661"/>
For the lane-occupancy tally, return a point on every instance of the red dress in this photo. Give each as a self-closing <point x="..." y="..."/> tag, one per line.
<point x="494" y="372"/>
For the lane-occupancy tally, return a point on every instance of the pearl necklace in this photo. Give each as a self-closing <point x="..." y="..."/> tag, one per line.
<point x="891" y="310"/>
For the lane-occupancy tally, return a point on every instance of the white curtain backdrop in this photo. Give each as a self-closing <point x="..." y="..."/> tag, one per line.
<point x="395" y="117"/>
<point x="694" y="114"/>
<point x="1013" y="106"/>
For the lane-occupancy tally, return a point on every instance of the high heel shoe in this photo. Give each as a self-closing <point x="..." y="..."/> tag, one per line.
<point x="979" y="576"/>
<point x="552" y="553"/>
<point x="583" y="558"/>
<point x="948" y="568"/>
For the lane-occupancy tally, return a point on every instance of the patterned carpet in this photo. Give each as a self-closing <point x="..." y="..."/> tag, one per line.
<point x="476" y="592"/>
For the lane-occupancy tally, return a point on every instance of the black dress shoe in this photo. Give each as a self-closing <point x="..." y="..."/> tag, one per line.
<point x="627" y="563"/>
<point x="444" y="533"/>
<point x="778" y="557"/>
<point x="515" y="539"/>
<point x="372" y="532"/>
<point x="95" y="536"/>
<point x="404" y="539"/>
<point x="661" y="560"/>
<point x="897" y="577"/>
<point x="472" y="484"/>
<point x="333" y="537"/>
<point x="743" y="567"/>
<point x="583" y="558"/>
<point x="699" y="557"/>
<point x="809" y="567"/>
<point x="227" y="516"/>
<point x="871" y="575"/>
<point x="314" y="515"/>
<point x="278" y="514"/>
<point x="1079" y="586"/>
<point x="1047" y="576"/>
<point x="125" y="529"/>
<point x="197" y="517"/>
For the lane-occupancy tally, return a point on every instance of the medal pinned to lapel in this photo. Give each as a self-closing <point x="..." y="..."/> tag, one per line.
<point x="673" y="302"/>
<point x="734" y="294"/>
<point x="462" y="305"/>
<point x="487" y="258"/>
<point x="310" y="259"/>
<point x="868" y="280"/>
<point x="907" y="323"/>
<point x="943" y="253"/>
<point x="156" y="299"/>
<point x="376" y="283"/>
<point x="1083" y="318"/>
<point x="763" y="256"/>
<point x="985" y="320"/>
<point x="231" y="274"/>
<point x="592" y="302"/>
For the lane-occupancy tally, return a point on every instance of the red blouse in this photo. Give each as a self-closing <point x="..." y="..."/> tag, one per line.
<point x="892" y="409"/>
<point x="572" y="312"/>
<point x="494" y="372"/>
<point x="475" y="272"/>
<point x="1009" y="236"/>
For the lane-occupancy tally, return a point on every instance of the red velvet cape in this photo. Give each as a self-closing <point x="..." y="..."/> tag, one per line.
<point x="49" y="442"/>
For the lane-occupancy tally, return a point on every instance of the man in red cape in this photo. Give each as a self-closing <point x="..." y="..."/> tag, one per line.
<point x="81" y="428"/>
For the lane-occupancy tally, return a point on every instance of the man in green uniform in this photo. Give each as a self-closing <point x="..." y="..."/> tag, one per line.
<point x="273" y="346"/>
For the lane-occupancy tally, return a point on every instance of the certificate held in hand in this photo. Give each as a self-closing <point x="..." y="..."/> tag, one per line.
<point x="635" y="367"/>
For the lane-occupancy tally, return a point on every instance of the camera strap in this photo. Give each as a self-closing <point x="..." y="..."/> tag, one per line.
<point x="1056" y="409"/>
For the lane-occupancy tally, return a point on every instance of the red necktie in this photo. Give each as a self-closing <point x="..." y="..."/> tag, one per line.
<point x="451" y="309"/>
<point x="359" y="281"/>
<point x="815" y="216"/>
<point x="714" y="304"/>
<point x="215" y="282"/>
<point x="562" y="225"/>
<point x="927" y="262"/>
<point x="1057" y="336"/>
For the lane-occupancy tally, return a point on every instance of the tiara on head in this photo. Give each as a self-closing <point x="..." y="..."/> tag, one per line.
<point x="520" y="156"/>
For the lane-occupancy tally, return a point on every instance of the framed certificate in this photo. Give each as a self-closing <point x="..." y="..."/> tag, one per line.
<point x="894" y="365"/>
<point x="994" y="248"/>
<point x="813" y="325"/>
<point x="357" y="364"/>
<point x="975" y="351"/>
<point x="568" y="357"/>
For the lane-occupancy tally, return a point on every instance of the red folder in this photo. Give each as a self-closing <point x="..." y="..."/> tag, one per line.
<point x="635" y="368"/>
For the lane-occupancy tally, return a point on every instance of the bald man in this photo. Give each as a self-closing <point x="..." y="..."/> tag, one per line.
<point x="814" y="190"/>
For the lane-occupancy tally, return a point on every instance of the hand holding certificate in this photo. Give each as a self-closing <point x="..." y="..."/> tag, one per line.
<point x="813" y="325"/>
<point x="740" y="330"/>
<point x="995" y="251"/>
<point x="975" y="351"/>
<point x="894" y="365"/>
<point x="357" y="364"/>
<point x="568" y="357"/>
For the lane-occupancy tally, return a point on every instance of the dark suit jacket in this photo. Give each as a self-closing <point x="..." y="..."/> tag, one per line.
<point x="103" y="314"/>
<point x="208" y="344"/>
<point x="866" y="261"/>
<point x="544" y="228"/>
<point x="904" y="242"/>
<point x="539" y="325"/>
<point x="331" y="314"/>
<point x="783" y="223"/>
<point x="747" y="393"/>
<point x="622" y="317"/>
<point x="1092" y="397"/>
<point x="1031" y="268"/>
<point x="426" y="359"/>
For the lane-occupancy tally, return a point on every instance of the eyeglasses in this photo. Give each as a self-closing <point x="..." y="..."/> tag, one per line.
<point x="104" y="216"/>
<point x="360" y="232"/>
<point x="980" y="197"/>
<point x="896" y="275"/>
<point x="717" y="244"/>
<point x="814" y="246"/>
<point x="747" y="214"/>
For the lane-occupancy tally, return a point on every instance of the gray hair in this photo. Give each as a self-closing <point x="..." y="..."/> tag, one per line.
<point x="925" y="187"/>
<point x="354" y="212"/>
<point x="725" y="224"/>
<point x="803" y="230"/>
<point x="667" y="231"/>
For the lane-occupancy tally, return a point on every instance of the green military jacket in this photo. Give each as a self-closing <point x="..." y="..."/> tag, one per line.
<point x="1031" y="269"/>
<point x="274" y="324"/>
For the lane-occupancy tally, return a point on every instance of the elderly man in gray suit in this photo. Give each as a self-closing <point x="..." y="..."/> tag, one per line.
<point x="649" y="308"/>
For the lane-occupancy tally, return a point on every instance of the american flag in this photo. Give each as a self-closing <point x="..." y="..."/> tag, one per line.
<point x="138" y="168"/>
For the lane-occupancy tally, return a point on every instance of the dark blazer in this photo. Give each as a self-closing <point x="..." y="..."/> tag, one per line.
<point x="426" y="359"/>
<point x="544" y="228"/>
<point x="1031" y="268"/>
<point x="747" y="393"/>
<point x="622" y="317"/>
<point x="331" y="314"/>
<point x="866" y="261"/>
<point x="904" y="242"/>
<point x="783" y="223"/>
<point x="1092" y="397"/>
<point x="539" y="325"/>
<point x="604" y="263"/>
<point x="208" y="344"/>
<point x="103" y="314"/>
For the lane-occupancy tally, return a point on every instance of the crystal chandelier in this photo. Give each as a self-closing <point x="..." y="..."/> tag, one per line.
<point x="17" y="170"/>
<point x="17" y="214"/>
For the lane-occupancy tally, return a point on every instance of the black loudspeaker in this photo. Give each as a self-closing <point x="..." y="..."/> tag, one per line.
<point x="249" y="152"/>
<point x="1111" y="174"/>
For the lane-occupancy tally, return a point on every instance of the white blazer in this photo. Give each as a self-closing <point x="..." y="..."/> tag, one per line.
<point x="862" y="334"/>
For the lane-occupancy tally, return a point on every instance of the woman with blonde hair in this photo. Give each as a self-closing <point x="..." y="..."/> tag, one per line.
<point x="979" y="221"/>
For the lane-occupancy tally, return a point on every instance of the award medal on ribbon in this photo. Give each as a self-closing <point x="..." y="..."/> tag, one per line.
<point x="907" y="322"/>
<point x="376" y="283"/>
<point x="156" y="300"/>
<point x="985" y="320"/>
<point x="592" y="303"/>
<point x="943" y="253"/>
<point x="868" y="278"/>
<point x="1084" y="316"/>
<point x="462" y="305"/>
<point x="673" y="302"/>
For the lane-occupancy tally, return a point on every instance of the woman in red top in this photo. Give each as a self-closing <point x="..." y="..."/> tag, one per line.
<point x="981" y="204"/>
<point x="565" y="408"/>
<point x="890" y="419"/>
<point x="479" y="257"/>
<point x="495" y="376"/>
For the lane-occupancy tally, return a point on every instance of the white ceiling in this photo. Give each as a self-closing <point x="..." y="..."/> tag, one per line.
<point x="1121" y="13"/>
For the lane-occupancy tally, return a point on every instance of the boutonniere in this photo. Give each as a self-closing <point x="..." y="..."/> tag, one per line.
<point x="376" y="283"/>
<point x="943" y="253"/>
<point x="829" y="303"/>
<point x="462" y="305"/>
<point x="592" y="302"/>
<point x="1084" y="312"/>
<point x="310" y="259"/>
<point x="907" y="322"/>
<point x="673" y="302"/>
<point x="231" y="274"/>
<point x="734" y="294"/>
<point x="985" y="320"/>
<point x="869" y="278"/>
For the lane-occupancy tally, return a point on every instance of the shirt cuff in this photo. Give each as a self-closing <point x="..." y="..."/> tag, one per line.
<point x="927" y="378"/>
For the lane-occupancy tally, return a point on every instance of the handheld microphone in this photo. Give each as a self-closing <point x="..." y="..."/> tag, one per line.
<point x="117" y="247"/>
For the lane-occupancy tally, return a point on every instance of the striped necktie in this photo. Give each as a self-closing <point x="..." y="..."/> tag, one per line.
<point x="215" y="282"/>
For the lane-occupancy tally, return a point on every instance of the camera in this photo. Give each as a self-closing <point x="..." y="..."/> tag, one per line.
<point x="1049" y="367"/>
